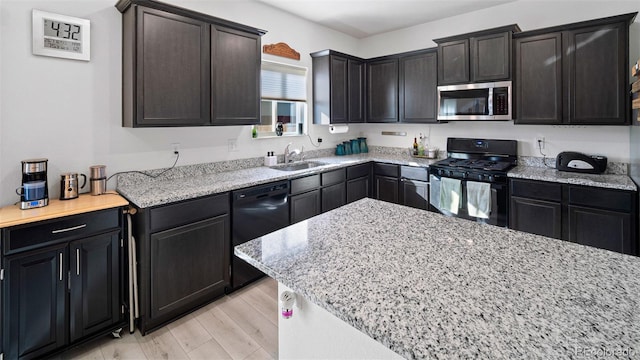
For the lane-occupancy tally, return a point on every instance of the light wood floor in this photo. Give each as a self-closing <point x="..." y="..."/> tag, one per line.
<point x="243" y="325"/>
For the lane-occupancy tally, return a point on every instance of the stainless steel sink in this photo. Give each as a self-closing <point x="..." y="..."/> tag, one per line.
<point x="302" y="165"/>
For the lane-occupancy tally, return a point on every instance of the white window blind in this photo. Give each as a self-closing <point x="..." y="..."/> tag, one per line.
<point x="283" y="82"/>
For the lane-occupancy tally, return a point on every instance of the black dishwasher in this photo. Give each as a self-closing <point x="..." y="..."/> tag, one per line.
<point x="256" y="211"/>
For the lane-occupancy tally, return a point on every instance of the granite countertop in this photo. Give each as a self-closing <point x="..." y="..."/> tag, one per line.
<point x="442" y="287"/>
<point x="208" y="179"/>
<point x="149" y="193"/>
<point x="611" y="181"/>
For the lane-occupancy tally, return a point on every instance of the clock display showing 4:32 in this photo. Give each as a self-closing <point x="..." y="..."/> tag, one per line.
<point x="61" y="36"/>
<point x="62" y="30"/>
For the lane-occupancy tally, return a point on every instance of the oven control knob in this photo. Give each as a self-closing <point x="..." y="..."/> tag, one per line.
<point x="490" y="177"/>
<point x="465" y="175"/>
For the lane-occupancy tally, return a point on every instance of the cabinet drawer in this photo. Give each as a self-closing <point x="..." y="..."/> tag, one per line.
<point x="385" y="169"/>
<point x="189" y="211"/>
<point x="306" y="183"/>
<point x="536" y="190"/>
<point x="414" y="173"/>
<point x="608" y="199"/>
<point x="356" y="171"/>
<point x="43" y="233"/>
<point x="333" y="177"/>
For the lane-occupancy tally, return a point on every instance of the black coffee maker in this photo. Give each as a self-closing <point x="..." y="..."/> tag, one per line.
<point x="34" y="191"/>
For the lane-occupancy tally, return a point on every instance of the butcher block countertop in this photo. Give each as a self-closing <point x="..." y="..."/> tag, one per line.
<point x="12" y="215"/>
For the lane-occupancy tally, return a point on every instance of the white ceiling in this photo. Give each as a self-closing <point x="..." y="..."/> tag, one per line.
<point x="363" y="18"/>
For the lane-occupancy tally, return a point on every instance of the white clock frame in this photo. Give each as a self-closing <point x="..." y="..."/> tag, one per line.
<point x="38" y="48"/>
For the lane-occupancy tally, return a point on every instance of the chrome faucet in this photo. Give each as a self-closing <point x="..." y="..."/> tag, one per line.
<point x="288" y="154"/>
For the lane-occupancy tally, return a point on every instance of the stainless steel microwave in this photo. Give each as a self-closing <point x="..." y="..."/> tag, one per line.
<point x="483" y="101"/>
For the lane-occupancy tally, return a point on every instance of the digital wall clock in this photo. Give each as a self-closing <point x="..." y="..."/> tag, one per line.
<point x="61" y="36"/>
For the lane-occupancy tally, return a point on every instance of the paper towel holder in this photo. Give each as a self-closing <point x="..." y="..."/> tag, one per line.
<point x="338" y="129"/>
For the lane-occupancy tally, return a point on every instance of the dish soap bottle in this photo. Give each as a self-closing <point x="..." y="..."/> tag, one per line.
<point x="421" y="146"/>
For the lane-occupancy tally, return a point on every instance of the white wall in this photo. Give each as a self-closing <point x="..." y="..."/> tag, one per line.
<point x="611" y="141"/>
<point x="70" y="111"/>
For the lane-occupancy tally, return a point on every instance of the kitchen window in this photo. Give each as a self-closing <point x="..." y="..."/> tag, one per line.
<point x="283" y="108"/>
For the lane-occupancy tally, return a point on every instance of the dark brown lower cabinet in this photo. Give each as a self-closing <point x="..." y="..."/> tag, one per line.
<point x="304" y="206"/>
<point x="414" y="187"/>
<point x="333" y="196"/>
<point x="358" y="188"/>
<point x="385" y="182"/>
<point x="184" y="252"/>
<point x="536" y="217"/>
<point x="358" y="182"/>
<point x="386" y="188"/>
<point x="415" y="193"/>
<point x="603" y="229"/>
<point x="598" y="217"/>
<point x="189" y="266"/>
<point x="333" y="193"/>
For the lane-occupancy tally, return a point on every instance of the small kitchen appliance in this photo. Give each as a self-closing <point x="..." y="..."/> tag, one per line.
<point x="98" y="179"/>
<point x="34" y="189"/>
<point x="572" y="161"/>
<point x="69" y="185"/>
<point x="476" y="164"/>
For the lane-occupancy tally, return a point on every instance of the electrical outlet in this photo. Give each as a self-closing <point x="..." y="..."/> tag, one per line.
<point x="175" y="147"/>
<point x="232" y="145"/>
<point x="540" y="142"/>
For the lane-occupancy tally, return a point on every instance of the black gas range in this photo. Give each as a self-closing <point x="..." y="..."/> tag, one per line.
<point x="478" y="168"/>
<point x="477" y="159"/>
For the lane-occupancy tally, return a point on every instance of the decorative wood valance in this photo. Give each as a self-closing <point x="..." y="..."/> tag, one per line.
<point x="281" y="49"/>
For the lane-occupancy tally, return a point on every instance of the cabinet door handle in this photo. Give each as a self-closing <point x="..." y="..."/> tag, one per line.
<point x="68" y="229"/>
<point x="60" y="255"/>
<point x="77" y="261"/>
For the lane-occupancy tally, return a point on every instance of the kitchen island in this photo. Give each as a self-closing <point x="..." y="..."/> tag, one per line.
<point x="428" y="286"/>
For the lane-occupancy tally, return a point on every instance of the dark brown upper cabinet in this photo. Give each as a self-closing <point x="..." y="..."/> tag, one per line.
<point x="382" y="90"/>
<point x="418" y="87"/>
<point x="184" y="68"/>
<point x="454" y="62"/>
<point x="475" y="57"/>
<point x="402" y="87"/>
<point x="355" y="87"/>
<point x="338" y="88"/>
<point x="574" y="74"/>
<point x="399" y="88"/>
<point x="235" y="76"/>
<point x="538" y="71"/>
<point x="491" y="57"/>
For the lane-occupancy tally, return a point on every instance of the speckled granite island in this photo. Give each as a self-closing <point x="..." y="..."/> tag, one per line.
<point x="428" y="286"/>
